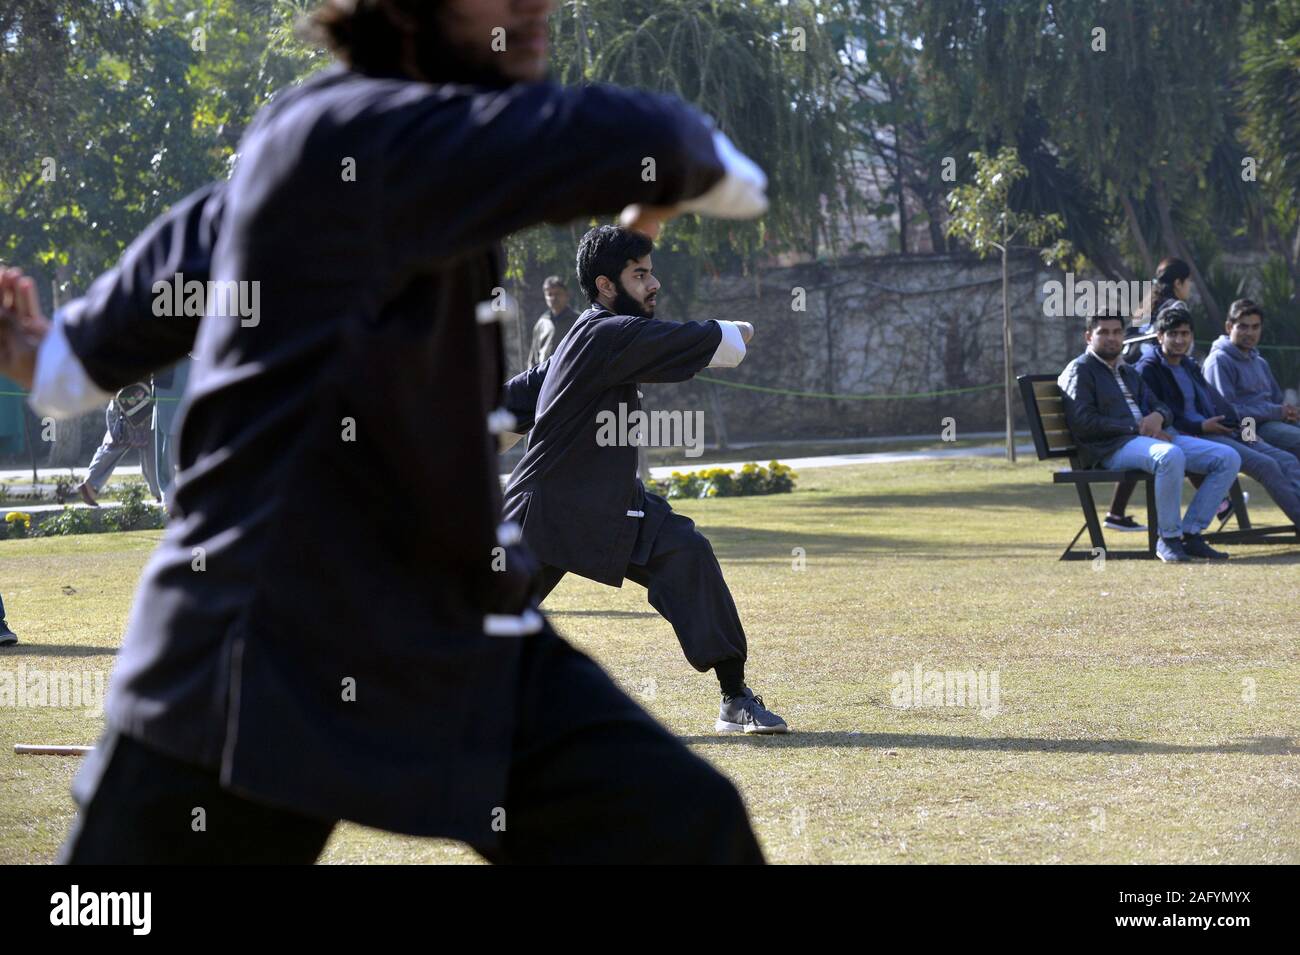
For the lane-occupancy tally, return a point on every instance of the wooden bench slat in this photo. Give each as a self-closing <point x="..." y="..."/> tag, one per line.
<point x="1047" y="389"/>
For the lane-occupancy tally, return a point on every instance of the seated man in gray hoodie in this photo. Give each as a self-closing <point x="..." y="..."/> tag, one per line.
<point x="1241" y="374"/>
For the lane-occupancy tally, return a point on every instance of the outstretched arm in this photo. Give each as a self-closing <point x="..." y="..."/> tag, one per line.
<point x="111" y="336"/>
<point x="452" y="157"/>
<point x="651" y="350"/>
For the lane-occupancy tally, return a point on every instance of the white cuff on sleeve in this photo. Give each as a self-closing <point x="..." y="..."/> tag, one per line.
<point x="742" y="191"/>
<point x="60" y="387"/>
<point x="731" y="350"/>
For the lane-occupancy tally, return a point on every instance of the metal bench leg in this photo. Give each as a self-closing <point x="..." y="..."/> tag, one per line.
<point x="1239" y="505"/>
<point x="1090" y="522"/>
<point x="1153" y="521"/>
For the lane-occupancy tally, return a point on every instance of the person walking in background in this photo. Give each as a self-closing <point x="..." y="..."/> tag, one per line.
<point x="554" y="324"/>
<point x="169" y="386"/>
<point x="129" y="420"/>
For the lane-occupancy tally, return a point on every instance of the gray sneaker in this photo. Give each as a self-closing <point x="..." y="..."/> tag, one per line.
<point x="1170" y="550"/>
<point x="747" y="714"/>
<point x="7" y="637"/>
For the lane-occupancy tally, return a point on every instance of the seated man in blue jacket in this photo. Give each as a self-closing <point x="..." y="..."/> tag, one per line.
<point x="1119" y="424"/>
<point x="1175" y="378"/>
<point x="1241" y="374"/>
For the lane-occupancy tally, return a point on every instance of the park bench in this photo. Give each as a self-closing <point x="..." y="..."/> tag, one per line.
<point x="1052" y="439"/>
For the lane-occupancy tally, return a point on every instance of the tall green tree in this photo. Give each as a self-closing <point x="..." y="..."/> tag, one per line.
<point x="119" y="108"/>
<point x="765" y="70"/>
<point x="1136" y="95"/>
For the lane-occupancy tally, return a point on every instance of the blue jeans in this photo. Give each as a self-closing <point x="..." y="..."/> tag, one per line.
<point x="1277" y="470"/>
<point x="1169" y="462"/>
<point x="1280" y="434"/>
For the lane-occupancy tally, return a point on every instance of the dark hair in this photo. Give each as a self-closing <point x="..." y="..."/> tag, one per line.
<point x="606" y="250"/>
<point x="1241" y="308"/>
<point x="1102" y="316"/>
<point x="1172" y="318"/>
<point x="1169" y="271"/>
<point x="552" y="281"/>
<point x="405" y="38"/>
<point x="359" y="32"/>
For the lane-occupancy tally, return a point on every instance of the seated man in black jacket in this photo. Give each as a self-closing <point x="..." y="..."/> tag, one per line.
<point x="576" y="494"/>
<point x="1175" y="378"/>
<point x="1119" y="424"/>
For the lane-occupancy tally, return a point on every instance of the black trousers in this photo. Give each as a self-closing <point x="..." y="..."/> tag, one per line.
<point x="685" y="585"/>
<point x="593" y="779"/>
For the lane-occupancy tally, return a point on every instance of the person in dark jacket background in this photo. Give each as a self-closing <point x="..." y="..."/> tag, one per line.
<point x="1119" y="424"/>
<point x="576" y="494"/>
<point x="553" y="324"/>
<point x="284" y="669"/>
<point x="1175" y="378"/>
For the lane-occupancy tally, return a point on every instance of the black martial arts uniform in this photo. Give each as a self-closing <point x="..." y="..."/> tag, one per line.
<point x="580" y="504"/>
<point x="309" y="642"/>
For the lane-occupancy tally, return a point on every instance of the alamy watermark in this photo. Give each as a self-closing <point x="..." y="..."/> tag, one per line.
<point x="651" y="429"/>
<point x="176" y="297"/>
<point x="71" y="689"/>
<point x="1086" y="297"/>
<point x="921" y="688"/>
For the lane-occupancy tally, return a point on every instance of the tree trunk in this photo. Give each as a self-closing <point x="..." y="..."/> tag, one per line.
<point x="938" y="242"/>
<point x="1175" y="239"/>
<point x="1148" y="262"/>
<point x="902" y="196"/>
<point x="1006" y="361"/>
<point x="1293" y="261"/>
<point x="719" y="417"/>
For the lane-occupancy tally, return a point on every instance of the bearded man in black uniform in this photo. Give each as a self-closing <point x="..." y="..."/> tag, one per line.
<point x="575" y="494"/>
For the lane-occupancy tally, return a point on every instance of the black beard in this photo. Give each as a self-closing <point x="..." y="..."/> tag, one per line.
<point x="437" y="61"/>
<point x="440" y="63"/>
<point x="625" y="304"/>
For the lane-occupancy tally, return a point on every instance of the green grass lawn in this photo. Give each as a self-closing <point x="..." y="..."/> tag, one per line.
<point x="1147" y="713"/>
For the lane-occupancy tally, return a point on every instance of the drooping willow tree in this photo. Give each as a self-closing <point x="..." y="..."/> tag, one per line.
<point x="767" y="72"/>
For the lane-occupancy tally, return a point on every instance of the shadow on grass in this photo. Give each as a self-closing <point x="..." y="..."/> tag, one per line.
<point x="599" y="613"/>
<point x="1269" y="559"/>
<point x="55" y="650"/>
<point x="1254" y="746"/>
<point x="1023" y="497"/>
<point x="742" y="543"/>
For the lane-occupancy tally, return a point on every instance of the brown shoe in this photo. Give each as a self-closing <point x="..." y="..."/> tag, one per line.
<point x="87" y="494"/>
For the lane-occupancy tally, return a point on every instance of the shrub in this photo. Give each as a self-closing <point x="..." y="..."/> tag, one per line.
<point x="16" y="524"/>
<point x="70" y="520"/>
<point x="133" y="512"/>
<point x="65" y="488"/>
<point x="776" y="478"/>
